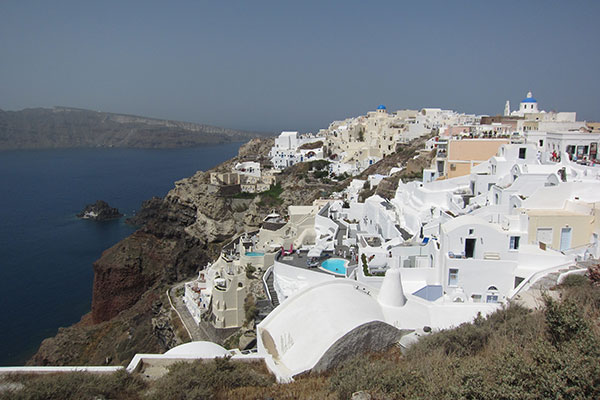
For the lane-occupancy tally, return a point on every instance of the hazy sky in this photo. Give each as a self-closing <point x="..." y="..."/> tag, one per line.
<point x="277" y="65"/>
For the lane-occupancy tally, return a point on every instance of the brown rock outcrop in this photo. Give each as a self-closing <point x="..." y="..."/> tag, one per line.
<point x="126" y="271"/>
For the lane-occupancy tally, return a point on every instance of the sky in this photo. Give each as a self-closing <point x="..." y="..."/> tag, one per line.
<point x="279" y="65"/>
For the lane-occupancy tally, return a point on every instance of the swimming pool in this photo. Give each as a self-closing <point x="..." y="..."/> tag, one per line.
<point x="254" y="254"/>
<point x="336" y="266"/>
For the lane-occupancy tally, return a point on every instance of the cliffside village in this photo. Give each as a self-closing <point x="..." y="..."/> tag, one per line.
<point x="508" y="202"/>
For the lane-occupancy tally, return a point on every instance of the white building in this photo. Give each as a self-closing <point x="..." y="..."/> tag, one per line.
<point x="287" y="149"/>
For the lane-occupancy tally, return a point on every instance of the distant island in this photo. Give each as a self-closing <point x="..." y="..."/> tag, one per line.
<point x="63" y="127"/>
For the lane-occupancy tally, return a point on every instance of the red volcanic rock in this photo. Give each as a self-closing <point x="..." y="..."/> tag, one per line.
<point x="126" y="271"/>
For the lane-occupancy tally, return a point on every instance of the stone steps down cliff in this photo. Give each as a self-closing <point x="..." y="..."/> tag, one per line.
<point x="272" y="291"/>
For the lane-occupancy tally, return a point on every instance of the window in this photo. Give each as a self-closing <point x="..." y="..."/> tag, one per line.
<point x="452" y="167"/>
<point x="522" y="153"/>
<point x="514" y="242"/>
<point x="453" y="277"/>
<point x="491" y="298"/>
<point x="541" y="142"/>
<point x="518" y="281"/>
<point x="476" y="298"/>
<point x="492" y="295"/>
<point x="471" y="231"/>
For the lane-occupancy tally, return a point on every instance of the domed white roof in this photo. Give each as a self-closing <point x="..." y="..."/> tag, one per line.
<point x="306" y="325"/>
<point x="198" y="349"/>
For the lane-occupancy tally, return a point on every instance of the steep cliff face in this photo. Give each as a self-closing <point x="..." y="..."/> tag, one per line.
<point x="126" y="271"/>
<point x="179" y="235"/>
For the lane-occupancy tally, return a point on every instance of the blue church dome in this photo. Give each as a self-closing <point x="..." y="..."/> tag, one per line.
<point x="381" y="107"/>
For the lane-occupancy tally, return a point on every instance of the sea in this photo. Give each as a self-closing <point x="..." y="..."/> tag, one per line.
<point x="46" y="252"/>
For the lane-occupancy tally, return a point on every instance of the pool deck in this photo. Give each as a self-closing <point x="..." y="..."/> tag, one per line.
<point x="299" y="260"/>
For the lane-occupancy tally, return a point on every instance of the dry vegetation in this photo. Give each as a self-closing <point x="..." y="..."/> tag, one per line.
<point x="513" y="354"/>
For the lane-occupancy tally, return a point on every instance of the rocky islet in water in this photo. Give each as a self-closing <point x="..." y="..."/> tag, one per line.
<point x="99" y="211"/>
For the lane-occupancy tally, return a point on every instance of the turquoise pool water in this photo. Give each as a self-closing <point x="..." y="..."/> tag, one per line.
<point x="254" y="254"/>
<point x="335" y="265"/>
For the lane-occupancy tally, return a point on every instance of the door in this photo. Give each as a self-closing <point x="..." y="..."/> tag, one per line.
<point x="470" y="247"/>
<point x="565" y="239"/>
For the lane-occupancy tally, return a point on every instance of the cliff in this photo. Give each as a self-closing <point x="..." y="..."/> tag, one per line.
<point x="179" y="235"/>
<point x="62" y="127"/>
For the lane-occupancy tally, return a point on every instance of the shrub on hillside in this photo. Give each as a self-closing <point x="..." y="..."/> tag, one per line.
<point x="77" y="385"/>
<point x="575" y="281"/>
<point x="565" y="320"/>
<point x="203" y="380"/>
<point x="320" y="174"/>
<point x="512" y="354"/>
<point x="250" y="270"/>
<point x="470" y="338"/>
<point x="250" y="308"/>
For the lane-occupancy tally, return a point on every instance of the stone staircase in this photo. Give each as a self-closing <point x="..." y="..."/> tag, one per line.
<point x="533" y="296"/>
<point x="272" y="292"/>
<point x="550" y="280"/>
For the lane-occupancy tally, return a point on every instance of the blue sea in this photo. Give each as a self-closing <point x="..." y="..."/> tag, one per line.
<point x="46" y="253"/>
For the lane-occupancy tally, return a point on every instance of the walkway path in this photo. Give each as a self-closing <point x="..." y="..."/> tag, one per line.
<point x="197" y="331"/>
<point x="533" y="297"/>
<point x="340" y="248"/>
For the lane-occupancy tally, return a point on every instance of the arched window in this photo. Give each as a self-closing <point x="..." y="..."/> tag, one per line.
<point x="492" y="295"/>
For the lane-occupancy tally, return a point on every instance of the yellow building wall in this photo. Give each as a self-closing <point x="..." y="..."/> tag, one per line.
<point x="460" y="168"/>
<point x="474" y="149"/>
<point x="582" y="226"/>
<point x="462" y="154"/>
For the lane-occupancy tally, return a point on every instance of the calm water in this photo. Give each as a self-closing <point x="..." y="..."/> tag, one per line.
<point x="46" y="253"/>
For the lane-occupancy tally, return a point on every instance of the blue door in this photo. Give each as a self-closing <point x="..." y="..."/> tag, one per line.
<point x="565" y="239"/>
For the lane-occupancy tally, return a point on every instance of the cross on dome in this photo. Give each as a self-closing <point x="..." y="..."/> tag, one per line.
<point x="529" y="98"/>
